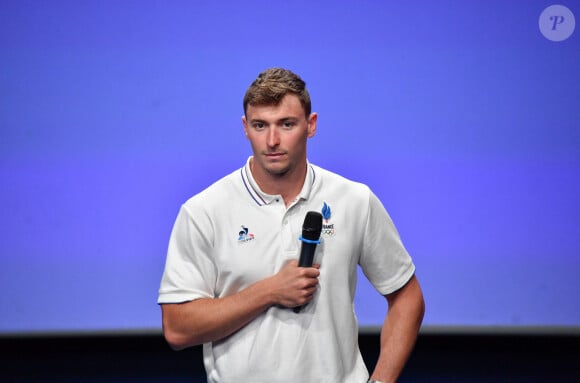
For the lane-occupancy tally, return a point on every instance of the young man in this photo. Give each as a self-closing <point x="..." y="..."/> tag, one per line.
<point x="232" y="279"/>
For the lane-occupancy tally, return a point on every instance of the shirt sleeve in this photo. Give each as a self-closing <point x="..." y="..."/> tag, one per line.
<point x="190" y="272"/>
<point x="384" y="259"/>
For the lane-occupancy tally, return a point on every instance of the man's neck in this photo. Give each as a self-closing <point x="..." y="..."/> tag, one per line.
<point x="287" y="185"/>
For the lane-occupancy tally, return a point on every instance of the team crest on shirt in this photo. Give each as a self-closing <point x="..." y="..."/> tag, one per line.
<point x="244" y="235"/>
<point x="328" y="229"/>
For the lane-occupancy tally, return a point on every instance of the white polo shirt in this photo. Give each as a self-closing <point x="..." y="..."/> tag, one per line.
<point x="232" y="234"/>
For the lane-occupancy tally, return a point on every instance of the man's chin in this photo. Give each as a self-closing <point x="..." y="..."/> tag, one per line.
<point x="277" y="172"/>
<point x="276" y="169"/>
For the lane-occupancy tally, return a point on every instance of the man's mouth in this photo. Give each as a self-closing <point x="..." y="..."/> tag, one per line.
<point x="274" y="155"/>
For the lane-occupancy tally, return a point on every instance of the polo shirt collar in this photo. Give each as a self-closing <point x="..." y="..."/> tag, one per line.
<point x="262" y="198"/>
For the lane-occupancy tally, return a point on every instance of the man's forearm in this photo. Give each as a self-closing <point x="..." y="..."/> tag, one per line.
<point x="399" y="332"/>
<point x="210" y="319"/>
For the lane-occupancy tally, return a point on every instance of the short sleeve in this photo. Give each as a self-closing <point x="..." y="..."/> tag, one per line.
<point x="190" y="272"/>
<point x="384" y="260"/>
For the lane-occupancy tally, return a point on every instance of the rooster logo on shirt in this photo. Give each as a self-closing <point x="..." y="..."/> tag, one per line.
<point x="244" y="235"/>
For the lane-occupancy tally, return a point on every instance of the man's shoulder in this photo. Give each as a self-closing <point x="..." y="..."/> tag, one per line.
<point x="218" y="191"/>
<point x="328" y="178"/>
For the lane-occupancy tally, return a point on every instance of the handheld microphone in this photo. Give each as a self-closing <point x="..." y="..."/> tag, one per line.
<point x="311" y="229"/>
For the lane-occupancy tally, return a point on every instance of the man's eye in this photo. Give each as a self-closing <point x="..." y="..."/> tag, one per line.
<point x="289" y="124"/>
<point x="258" y="125"/>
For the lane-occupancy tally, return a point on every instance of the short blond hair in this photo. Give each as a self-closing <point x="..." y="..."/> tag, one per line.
<point x="272" y="85"/>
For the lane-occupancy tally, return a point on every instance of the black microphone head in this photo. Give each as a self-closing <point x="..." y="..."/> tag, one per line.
<point x="312" y="226"/>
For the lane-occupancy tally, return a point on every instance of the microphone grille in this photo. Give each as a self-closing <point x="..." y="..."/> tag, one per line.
<point x="312" y="226"/>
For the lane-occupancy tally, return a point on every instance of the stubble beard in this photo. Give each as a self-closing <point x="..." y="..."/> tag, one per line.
<point x="277" y="172"/>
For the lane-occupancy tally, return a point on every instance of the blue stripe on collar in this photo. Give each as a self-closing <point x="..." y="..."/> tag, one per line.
<point x="253" y="193"/>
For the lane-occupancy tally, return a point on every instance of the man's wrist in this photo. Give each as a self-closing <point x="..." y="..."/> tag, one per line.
<point x="374" y="381"/>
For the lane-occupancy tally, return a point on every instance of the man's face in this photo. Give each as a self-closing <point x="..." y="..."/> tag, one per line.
<point x="278" y="135"/>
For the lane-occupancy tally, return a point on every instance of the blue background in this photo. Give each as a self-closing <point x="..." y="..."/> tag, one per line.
<point x="461" y="116"/>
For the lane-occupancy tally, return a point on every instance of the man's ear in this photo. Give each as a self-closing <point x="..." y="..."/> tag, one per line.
<point x="312" y="124"/>
<point x="245" y="123"/>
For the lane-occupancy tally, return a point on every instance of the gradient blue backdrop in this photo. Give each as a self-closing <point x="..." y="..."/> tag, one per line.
<point x="462" y="117"/>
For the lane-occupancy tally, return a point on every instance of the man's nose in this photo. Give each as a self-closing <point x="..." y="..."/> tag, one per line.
<point x="273" y="137"/>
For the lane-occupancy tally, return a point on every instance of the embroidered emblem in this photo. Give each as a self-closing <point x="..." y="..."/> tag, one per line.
<point x="326" y="212"/>
<point x="328" y="229"/>
<point x="244" y="235"/>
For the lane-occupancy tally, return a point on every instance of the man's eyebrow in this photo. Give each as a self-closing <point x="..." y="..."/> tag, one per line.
<point x="287" y="119"/>
<point x="257" y="120"/>
<point x="282" y="119"/>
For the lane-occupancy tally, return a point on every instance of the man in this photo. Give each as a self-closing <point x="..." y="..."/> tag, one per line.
<point x="232" y="279"/>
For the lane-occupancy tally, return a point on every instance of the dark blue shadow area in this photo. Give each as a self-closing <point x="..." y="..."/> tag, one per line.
<point x="148" y="359"/>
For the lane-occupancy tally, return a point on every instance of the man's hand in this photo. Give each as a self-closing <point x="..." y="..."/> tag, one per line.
<point x="294" y="286"/>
